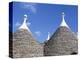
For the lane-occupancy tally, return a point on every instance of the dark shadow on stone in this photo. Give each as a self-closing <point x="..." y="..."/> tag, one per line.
<point x="74" y="53"/>
<point x="10" y="45"/>
<point x="45" y="52"/>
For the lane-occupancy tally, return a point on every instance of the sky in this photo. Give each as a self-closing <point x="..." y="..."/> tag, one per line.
<point x="44" y="18"/>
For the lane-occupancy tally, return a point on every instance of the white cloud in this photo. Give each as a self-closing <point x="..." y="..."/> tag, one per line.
<point x="38" y="33"/>
<point x="28" y="23"/>
<point x="30" y="6"/>
<point x="17" y="24"/>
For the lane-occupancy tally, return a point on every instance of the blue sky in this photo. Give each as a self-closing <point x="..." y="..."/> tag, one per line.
<point x="44" y="18"/>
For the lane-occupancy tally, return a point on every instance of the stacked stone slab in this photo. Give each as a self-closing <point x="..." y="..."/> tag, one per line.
<point x="62" y="42"/>
<point x="24" y="45"/>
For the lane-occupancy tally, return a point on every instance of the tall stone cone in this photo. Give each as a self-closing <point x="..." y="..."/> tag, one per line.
<point x="62" y="42"/>
<point x="24" y="45"/>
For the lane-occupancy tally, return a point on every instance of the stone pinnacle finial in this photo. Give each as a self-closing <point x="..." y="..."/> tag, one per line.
<point x="24" y="25"/>
<point x="48" y="36"/>
<point x="63" y="23"/>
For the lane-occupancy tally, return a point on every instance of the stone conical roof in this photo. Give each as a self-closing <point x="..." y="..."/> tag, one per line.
<point x="62" y="42"/>
<point x="24" y="44"/>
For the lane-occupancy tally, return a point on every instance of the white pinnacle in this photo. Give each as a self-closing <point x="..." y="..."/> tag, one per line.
<point x="63" y="23"/>
<point x="24" y="25"/>
<point x="48" y="36"/>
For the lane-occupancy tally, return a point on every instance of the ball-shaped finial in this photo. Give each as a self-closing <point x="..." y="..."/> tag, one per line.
<point x="62" y="12"/>
<point x="25" y="15"/>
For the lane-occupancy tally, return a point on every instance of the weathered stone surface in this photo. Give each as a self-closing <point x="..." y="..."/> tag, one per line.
<point x="24" y="45"/>
<point x="63" y="42"/>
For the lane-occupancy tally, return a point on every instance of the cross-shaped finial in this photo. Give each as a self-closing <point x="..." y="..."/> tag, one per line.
<point x="63" y="14"/>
